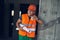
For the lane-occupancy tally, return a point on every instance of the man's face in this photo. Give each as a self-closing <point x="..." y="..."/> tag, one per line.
<point x="31" y="13"/>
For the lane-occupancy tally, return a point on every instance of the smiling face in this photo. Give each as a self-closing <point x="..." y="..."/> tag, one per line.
<point x="31" y="9"/>
<point x="31" y="13"/>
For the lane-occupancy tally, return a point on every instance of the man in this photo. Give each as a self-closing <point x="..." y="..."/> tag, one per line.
<point x="27" y="24"/>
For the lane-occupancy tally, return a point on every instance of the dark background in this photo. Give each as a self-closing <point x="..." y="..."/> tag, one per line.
<point x="7" y="31"/>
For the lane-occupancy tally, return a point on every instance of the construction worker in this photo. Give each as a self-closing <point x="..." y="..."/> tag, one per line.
<point x="27" y="24"/>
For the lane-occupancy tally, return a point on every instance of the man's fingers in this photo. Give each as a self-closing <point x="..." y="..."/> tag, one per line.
<point x="35" y="17"/>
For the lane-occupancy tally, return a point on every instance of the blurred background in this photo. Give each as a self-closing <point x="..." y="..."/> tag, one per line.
<point x="47" y="10"/>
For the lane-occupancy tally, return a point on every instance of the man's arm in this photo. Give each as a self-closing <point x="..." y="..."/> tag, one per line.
<point x="19" y="26"/>
<point x="38" y="20"/>
<point x="18" y="22"/>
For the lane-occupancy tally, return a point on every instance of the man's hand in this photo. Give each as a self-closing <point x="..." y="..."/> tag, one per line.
<point x="39" y="21"/>
<point x="19" y="28"/>
<point x="35" y="17"/>
<point x="26" y="29"/>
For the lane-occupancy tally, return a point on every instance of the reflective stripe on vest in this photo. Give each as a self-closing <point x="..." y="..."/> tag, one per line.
<point x="32" y="34"/>
<point x="22" y="25"/>
<point x="31" y="29"/>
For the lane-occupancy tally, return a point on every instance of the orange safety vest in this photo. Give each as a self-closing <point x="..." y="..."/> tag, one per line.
<point x="26" y="20"/>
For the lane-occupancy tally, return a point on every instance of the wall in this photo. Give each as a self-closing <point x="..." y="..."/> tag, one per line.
<point x="48" y="11"/>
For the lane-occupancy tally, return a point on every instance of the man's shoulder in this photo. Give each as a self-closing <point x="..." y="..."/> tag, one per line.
<point x="24" y="14"/>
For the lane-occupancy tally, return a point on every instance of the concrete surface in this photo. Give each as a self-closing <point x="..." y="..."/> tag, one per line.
<point x="49" y="11"/>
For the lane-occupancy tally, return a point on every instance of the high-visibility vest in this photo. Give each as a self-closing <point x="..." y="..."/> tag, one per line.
<point x="32" y="34"/>
<point x="26" y="20"/>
